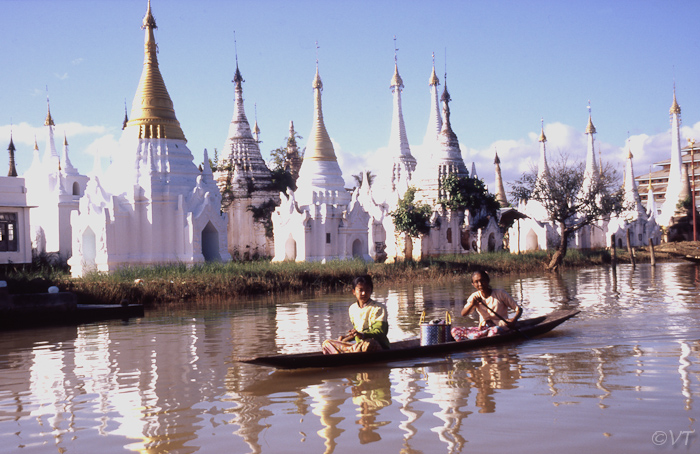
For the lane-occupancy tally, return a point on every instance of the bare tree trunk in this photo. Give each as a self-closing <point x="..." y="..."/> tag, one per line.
<point x="560" y="253"/>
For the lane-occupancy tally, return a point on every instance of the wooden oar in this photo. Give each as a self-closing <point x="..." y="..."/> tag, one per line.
<point x="508" y="324"/>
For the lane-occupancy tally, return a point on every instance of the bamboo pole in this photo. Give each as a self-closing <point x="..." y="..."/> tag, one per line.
<point x="629" y="249"/>
<point x="614" y="251"/>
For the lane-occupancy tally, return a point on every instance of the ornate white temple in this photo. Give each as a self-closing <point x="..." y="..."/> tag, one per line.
<point x="54" y="187"/>
<point x="538" y="232"/>
<point x="318" y="221"/>
<point x="152" y="205"/>
<point x="246" y="185"/>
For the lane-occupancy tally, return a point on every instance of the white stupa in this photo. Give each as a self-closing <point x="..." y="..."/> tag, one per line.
<point x="152" y="205"/>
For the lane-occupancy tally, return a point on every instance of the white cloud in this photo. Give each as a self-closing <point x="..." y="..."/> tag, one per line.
<point x="63" y="76"/>
<point x="106" y="146"/>
<point x="77" y="61"/>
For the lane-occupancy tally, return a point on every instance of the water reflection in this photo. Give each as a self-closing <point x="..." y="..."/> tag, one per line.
<point x="170" y="382"/>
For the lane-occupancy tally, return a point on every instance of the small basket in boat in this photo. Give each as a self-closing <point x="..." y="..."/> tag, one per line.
<point x="436" y="331"/>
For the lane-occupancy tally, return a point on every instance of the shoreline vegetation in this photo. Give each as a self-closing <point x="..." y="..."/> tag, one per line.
<point x="169" y="284"/>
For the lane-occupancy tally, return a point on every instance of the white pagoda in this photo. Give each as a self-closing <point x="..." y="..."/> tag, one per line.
<point x="152" y="205"/>
<point x="54" y="188"/>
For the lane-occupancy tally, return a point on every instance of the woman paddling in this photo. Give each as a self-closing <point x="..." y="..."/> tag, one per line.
<point x="492" y="306"/>
<point x="369" y="323"/>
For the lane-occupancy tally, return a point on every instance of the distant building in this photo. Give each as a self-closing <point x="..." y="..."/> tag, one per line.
<point x="15" y="241"/>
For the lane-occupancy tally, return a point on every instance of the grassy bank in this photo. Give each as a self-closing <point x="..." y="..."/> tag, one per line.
<point x="176" y="283"/>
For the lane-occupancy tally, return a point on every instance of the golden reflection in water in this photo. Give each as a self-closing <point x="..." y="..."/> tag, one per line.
<point x="371" y="391"/>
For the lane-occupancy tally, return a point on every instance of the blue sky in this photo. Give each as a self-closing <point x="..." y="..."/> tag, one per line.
<point x="509" y="63"/>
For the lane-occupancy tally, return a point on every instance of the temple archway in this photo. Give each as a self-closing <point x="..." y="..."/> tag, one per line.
<point x="357" y="249"/>
<point x="290" y="249"/>
<point x="492" y="242"/>
<point x="210" y="243"/>
<point x="89" y="248"/>
<point x="531" y="243"/>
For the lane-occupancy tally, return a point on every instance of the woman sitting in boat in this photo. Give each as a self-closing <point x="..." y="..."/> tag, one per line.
<point x="492" y="306"/>
<point x="369" y="323"/>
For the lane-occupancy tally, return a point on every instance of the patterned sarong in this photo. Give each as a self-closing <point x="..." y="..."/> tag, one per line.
<point x="332" y="346"/>
<point x="461" y="333"/>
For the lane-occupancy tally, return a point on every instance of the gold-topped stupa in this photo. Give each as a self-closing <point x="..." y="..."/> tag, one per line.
<point x="675" y="108"/>
<point x="152" y="110"/>
<point x="319" y="147"/>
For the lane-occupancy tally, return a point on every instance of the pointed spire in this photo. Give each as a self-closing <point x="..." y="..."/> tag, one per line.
<point x="590" y="129"/>
<point x="256" y="129"/>
<point x="542" y="168"/>
<point x="320" y="147"/>
<point x="542" y="138"/>
<point x="651" y="201"/>
<point x="67" y="165"/>
<point x="433" y="81"/>
<point x="403" y="163"/>
<point x="592" y="172"/>
<point x="152" y="111"/>
<point x="633" y="202"/>
<point x="207" y="172"/>
<point x="435" y="119"/>
<point x="445" y="98"/>
<point x="292" y="162"/>
<point x="396" y="81"/>
<point x="126" y="116"/>
<point x="675" y="170"/>
<point x="12" y="172"/>
<point x="500" y="189"/>
<point x="49" y="120"/>
<point x="675" y="108"/>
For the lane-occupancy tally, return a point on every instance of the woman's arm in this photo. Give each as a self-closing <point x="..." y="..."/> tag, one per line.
<point x="378" y="328"/>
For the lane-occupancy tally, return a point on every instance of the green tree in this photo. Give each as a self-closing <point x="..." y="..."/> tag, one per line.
<point x="411" y="217"/>
<point x="278" y="156"/>
<point x="282" y="178"/>
<point x="469" y="193"/>
<point x="562" y="195"/>
<point x="362" y="176"/>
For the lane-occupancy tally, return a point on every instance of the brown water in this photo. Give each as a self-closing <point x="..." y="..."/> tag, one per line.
<point x="622" y="376"/>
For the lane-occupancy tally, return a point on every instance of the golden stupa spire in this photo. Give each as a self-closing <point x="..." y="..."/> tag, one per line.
<point x="543" y="138"/>
<point x="590" y="129"/>
<point x="319" y="147"/>
<point x="152" y="110"/>
<point x="675" y="108"/>
<point x="433" y="77"/>
<point x="49" y="118"/>
<point x="396" y="80"/>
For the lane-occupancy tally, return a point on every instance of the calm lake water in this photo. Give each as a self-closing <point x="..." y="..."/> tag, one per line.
<point x="622" y="376"/>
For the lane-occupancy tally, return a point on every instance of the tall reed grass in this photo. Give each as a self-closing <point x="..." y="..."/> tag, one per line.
<point x="163" y="284"/>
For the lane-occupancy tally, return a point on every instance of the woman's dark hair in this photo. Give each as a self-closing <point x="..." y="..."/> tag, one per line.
<point x="484" y="275"/>
<point x="365" y="279"/>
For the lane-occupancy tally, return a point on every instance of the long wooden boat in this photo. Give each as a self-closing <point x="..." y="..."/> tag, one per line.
<point x="692" y="258"/>
<point x="411" y="348"/>
<point x="81" y="313"/>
